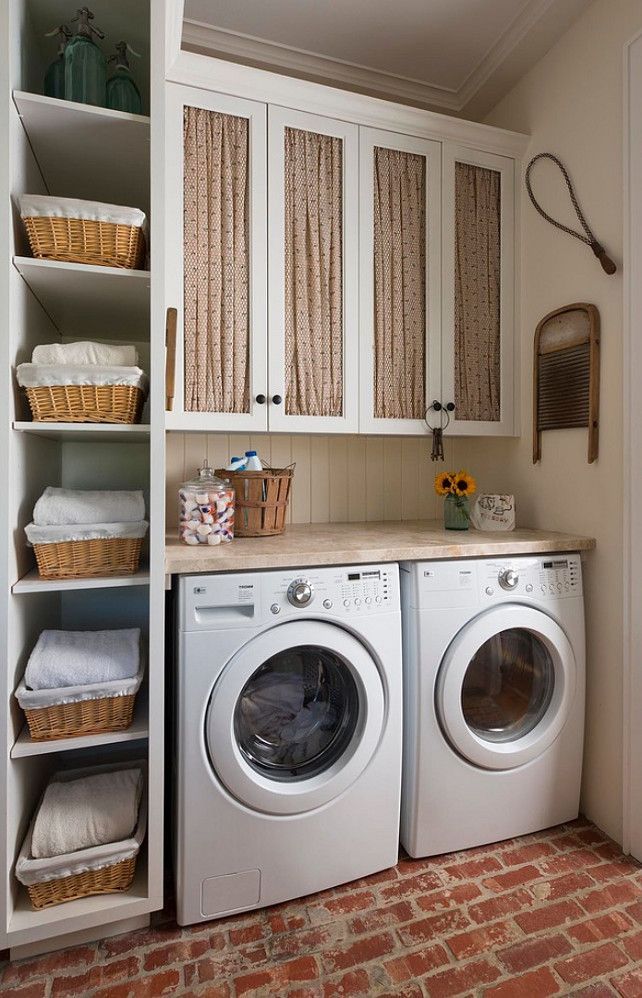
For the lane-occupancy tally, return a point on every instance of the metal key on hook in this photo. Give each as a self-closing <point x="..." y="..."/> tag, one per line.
<point x="437" y="452"/>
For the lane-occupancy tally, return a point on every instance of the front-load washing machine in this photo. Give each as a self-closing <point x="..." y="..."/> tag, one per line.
<point x="494" y="699"/>
<point x="288" y="768"/>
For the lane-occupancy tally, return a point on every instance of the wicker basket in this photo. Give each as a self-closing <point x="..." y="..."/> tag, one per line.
<point x="88" y="559"/>
<point x="78" y="240"/>
<point x="86" y="403"/>
<point x="261" y="500"/>
<point x="84" y="717"/>
<point x="117" y="877"/>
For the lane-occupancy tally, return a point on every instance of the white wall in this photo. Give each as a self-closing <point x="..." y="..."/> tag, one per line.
<point x="571" y="104"/>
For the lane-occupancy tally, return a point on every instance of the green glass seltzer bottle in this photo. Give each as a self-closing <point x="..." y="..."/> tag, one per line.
<point x="85" y="65"/>
<point x="54" y="85"/>
<point x="122" y="92"/>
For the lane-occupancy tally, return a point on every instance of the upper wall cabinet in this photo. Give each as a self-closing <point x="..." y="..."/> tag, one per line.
<point x="399" y="280"/>
<point x="478" y="313"/>
<point x="313" y="199"/>
<point x="216" y="273"/>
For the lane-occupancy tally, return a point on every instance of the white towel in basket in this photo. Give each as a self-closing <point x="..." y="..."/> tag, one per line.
<point x="106" y="354"/>
<point x="82" y="658"/>
<point x="63" y="506"/>
<point x="46" y="375"/>
<point x="90" y="811"/>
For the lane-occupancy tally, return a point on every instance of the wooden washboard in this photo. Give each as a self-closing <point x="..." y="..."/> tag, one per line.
<point x="566" y="374"/>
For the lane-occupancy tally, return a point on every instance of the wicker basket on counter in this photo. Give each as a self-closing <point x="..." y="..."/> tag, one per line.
<point x="79" y="240"/>
<point x="261" y="499"/>
<point x="88" y="559"/>
<point x="86" y="403"/>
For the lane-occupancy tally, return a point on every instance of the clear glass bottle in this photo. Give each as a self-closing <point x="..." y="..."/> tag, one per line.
<point x="206" y="509"/>
<point x="54" y="84"/>
<point x="85" y="65"/>
<point x="122" y="92"/>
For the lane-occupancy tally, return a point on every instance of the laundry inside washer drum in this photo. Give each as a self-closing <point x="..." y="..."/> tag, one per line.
<point x="297" y="713"/>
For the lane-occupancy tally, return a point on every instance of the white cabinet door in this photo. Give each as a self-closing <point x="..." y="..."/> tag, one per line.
<point x="313" y="257"/>
<point x="478" y="301"/>
<point x="400" y="281"/>
<point x="216" y="270"/>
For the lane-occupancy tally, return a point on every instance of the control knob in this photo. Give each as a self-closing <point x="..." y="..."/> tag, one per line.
<point x="508" y="579"/>
<point x="300" y="592"/>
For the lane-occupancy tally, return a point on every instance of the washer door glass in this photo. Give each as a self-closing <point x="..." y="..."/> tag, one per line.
<point x="508" y="685"/>
<point x="297" y="714"/>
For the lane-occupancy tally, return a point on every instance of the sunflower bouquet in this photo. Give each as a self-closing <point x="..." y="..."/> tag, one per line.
<point x="456" y="487"/>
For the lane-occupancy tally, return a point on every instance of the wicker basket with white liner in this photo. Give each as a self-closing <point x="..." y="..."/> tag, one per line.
<point x="262" y="499"/>
<point x="81" y="683"/>
<point x="80" y="534"/>
<point x="84" y="383"/>
<point x="76" y="231"/>
<point x="94" y="867"/>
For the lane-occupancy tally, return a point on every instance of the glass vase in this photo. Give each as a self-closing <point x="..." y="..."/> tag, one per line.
<point x="456" y="513"/>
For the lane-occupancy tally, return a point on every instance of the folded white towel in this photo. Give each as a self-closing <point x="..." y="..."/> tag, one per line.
<point x="44" y="375"/>
<point x="78" y="658"/>
<point x="90" y="811"/>
<point x="47" y="206"/>
<point x="107" y="354"/>
<point x="85" y="532"/>
<point x="64" y="506"/>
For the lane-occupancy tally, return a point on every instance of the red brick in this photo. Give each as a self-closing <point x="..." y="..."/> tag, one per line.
<point x="382" y="918"/>
<point x="136" y="940"/>
<point x="36" y="989"/>
<point x="66" y="959"/>
<point x="525" y="955"/>
<point x="471" y="869"/>
<point x="276" y="977"/>
<point x="568" y="862"/>
<point x="408" y="990"/>
<point x="408" y="887"/>
<point x="305" y="941"/>
<point x="286" y="923"/>
<point x="629" y="985"/>
<point x="345" y="904"/>
<point x="459" y="980"/>
<point x="611" y="871"/>
<point x="527" y="854"/>
<point x="449" y="897"/>
<point x="549" y="916"/>
<point x="514" y="878"/>
<point x="634" y="911"/>
<point x="248" y="933"/>
<point x="611" y="896"/>
<point x="603" y="927"/>
<point x="413" y="965"/>
<point x="552" y="890"/>
<point x="166" y="983"/>
<point x="229" y="963"/>
<point x="498" y="907"/>
<point x="180" y="951"/>
<point x="593" y="963"/>
<point x="536" y="984"/>
<point x="633" y="945"/>
<point x="477" y="941"/>
<point x="355" y="982"/>
<point x="597" y="990"/>
<point x="433" y="927"/>
<point x="352" y="954"/>
<point x="591" y="836"/>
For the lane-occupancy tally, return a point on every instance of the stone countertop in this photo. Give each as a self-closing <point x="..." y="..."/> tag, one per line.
<point x="310" y="544"/>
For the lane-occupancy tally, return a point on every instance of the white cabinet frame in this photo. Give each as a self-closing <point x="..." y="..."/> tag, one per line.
<point x="178" y="97"/>
<point x="279" y="119"/>
<point x="369" y="139"/>
<point x="505" y="426"/>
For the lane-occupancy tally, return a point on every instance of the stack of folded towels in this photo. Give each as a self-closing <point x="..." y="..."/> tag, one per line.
<point x="78" y="515"/>
<point x="82" y="363"/>
<point x="88" y="811"/>
<point x="62" y="659"/>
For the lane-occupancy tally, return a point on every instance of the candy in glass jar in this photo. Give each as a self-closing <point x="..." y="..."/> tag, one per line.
<point x="206" y="509"/>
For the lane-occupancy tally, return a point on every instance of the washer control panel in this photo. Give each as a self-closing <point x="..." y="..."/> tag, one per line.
<point x="342" y="591"/>
<point x="557" y="576"/>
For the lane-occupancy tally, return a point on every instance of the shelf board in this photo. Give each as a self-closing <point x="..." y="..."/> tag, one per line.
<point x="88" y="152"/>
<point x="99" y="432"/>
<point x="84" y="301"/>
<point x="139" y="729"/>
<point x="32" y="583"/>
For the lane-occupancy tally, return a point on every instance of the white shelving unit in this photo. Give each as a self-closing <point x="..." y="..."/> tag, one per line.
<point x="73" y="150"/>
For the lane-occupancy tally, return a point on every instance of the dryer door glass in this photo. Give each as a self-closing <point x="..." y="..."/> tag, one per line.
<point x="297" y="713"/>
<point x="508" y="686"/>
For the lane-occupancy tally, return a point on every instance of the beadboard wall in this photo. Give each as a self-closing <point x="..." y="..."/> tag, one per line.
<point x="337" y="478"/>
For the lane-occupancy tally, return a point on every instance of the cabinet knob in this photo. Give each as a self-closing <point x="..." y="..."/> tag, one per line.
<point x="450" y="407"/>
<point x="277" y="399"/>
<point x="260" y="399"/>
<point x="436" y="406"/>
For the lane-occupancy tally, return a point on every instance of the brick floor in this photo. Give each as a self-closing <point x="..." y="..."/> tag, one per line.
<point x="556" y="913"/>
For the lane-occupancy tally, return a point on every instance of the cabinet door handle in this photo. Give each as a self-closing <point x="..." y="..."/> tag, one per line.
<point x="170" y="357"/>
<point x="276" y="399"/>
<point x="260" y="399"/>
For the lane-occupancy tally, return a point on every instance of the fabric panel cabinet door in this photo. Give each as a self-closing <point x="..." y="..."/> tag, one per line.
<point x="313" y="179"/>
<point x="216" y="270"/>
<point x="478" y="300"/>
<point x="400" y="261"/>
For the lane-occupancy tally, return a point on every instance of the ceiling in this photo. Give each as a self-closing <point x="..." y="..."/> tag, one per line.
<point x="453" y="55"/>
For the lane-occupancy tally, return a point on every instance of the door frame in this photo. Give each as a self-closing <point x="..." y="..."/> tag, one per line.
<point x="632" y="457"/>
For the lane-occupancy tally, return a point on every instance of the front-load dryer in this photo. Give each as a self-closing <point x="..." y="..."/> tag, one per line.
<point x="494" y="699"/>
<point x="288" y="769"/>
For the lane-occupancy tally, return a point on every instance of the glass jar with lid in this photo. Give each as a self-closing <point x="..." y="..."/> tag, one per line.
<point x="206" y="509"/>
